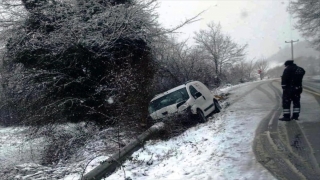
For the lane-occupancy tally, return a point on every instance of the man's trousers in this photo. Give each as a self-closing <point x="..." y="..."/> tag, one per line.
<point x="291" y="94"/>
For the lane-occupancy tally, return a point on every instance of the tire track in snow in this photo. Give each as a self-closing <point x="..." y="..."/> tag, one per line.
<point x="241" y="96"/>
<point x="273" y="151"/>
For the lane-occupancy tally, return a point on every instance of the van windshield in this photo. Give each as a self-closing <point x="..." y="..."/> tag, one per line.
<point x="169" y="99"/>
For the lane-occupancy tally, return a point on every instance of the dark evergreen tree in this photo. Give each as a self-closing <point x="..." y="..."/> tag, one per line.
<point x="86" y="61"/>
<point x="308" y="16"/>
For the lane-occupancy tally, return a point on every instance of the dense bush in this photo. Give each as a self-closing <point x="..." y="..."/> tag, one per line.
<point x="85" y="60"/>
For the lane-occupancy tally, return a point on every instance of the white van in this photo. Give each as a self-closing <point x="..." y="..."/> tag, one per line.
<point x="193" y="99"/>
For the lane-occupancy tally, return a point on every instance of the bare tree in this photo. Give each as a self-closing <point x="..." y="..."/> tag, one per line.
<point x="262" y="65"/>
<point x="239" y="72"/>
<point x="177" y="63"/>
<point x="250" y="67"/>
<point x="307" y="13"/>
<point x="219" y="47"/>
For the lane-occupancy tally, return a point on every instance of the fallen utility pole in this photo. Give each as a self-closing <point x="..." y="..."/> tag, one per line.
<point x="110" y="165"/>
<point x="292" y="46"/>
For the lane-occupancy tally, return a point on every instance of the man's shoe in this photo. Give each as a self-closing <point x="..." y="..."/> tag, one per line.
<point x="284" y="119"/>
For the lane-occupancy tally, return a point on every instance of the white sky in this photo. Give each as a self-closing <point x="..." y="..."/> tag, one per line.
<point x="263" y="24"/>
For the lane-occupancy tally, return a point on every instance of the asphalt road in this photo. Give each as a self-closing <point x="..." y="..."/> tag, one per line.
<point x="290" y="150"/>
<point x="311" y="83"/>
<point x="310" y="115"/>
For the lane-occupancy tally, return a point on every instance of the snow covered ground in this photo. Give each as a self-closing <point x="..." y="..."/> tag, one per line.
<point x="218" y="149"/>
<point x="16" y="149"/>
<point x="316" y="77"/>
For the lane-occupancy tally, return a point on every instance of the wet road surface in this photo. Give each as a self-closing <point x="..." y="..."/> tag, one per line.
<point x="290" y="150"/>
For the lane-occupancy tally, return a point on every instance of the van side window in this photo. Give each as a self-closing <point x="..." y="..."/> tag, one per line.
<point x="193" y="91"/>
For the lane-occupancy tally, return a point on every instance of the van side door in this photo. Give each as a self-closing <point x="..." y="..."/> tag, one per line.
<point x="208" y="104"/>
<point x="199" y="100"/>
<point x="204" y="90"/>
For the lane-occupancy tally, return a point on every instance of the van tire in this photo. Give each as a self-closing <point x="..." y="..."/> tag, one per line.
<point x="200" y="116"/>
<point x="217" y="106"/>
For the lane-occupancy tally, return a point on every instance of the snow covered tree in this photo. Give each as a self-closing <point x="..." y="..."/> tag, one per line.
<point x="307" y="13"/>
<point x="219" y="47"/>
<point x="178" y="63"/>
<point x="81" y="60"/>
<point x="238" y="72"/>
<point x="262" y="65"/>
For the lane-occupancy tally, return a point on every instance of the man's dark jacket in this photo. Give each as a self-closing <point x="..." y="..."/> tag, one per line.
<point x="292" y="76"/>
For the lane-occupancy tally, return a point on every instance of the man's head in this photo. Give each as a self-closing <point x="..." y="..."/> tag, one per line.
<point x="288" y="63"/>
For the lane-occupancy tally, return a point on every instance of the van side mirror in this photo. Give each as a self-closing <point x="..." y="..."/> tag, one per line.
<point x="197" y="95"/>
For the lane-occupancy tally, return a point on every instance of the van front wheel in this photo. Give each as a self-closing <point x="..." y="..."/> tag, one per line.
<point x="217" y="106"/>
<point x="200" y="116"/>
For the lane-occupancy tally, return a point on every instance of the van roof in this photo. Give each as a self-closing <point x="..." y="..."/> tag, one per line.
<point x="168" y="92"/>
<point x="173" y="89"/>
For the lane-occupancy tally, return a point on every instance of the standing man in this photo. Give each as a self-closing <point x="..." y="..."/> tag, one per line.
<point x="291" y="82"/>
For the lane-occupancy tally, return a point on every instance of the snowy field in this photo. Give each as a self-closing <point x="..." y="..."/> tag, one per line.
<point x="220" y="149"/>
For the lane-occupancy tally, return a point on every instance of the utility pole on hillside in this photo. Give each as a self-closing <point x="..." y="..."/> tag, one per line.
<point x="292" y="46"/>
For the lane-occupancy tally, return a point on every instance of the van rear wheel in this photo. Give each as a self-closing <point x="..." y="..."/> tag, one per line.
<point x="200" y="116"/>
<point x="217" y="106"/>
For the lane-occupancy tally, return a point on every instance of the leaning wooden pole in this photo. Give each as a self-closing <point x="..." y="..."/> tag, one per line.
<point x="108" y="166"/>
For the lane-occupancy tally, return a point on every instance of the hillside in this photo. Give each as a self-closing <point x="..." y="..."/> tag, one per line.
<point x="301" y="49"/>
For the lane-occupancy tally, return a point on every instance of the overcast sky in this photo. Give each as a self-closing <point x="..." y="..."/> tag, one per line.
<point x="263" y="24"/>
